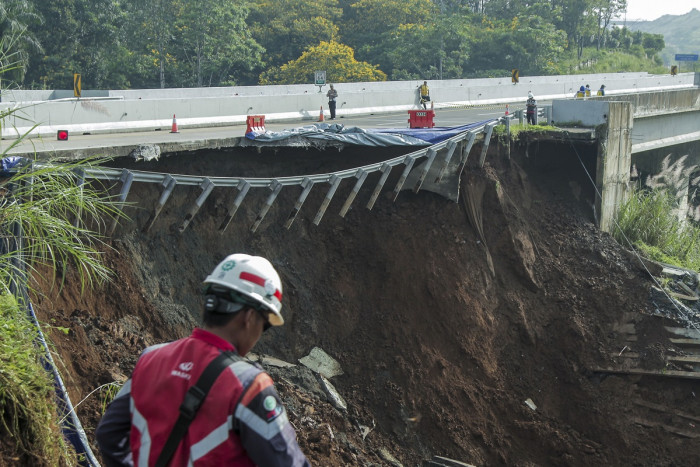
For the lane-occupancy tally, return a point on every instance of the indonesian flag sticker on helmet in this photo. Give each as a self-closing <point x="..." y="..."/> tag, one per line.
<point x="254" y="277"/>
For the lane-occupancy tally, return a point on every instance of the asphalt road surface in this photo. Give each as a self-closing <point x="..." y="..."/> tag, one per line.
<point x="445" y="117"/>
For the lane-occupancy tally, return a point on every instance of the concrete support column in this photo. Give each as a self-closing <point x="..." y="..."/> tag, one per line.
<point x="614" y="162"/>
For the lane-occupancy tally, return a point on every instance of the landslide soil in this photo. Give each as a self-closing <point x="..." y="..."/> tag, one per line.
<point x="443" y="333"/>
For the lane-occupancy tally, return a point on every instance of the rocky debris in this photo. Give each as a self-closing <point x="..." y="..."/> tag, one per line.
<point x="679" y="299"/>
<point x="439" y="345"/>
<point x="146" y="152"/>
<point x="322" y="363"/>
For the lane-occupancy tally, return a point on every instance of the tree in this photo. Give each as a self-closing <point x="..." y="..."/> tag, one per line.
<point x="16" y="17"/>
<point x="653" y="43"/>
<point x="529" y="44"/>
<point x="213" y="42"/>
<point x="81" y="36"/>
<point x="372" y="27"/>
<point x="285" y="28"/>
<point x="438" y="49"/>
<point x="604" y="11"/>
<point x="337" y="59"/>
<point x="368" y="22"/>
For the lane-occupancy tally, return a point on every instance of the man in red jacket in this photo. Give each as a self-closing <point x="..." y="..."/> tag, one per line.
<point x="241" y="420"/>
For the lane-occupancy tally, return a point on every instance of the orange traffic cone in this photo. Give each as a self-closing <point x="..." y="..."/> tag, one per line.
<point x="320" y="117"/>
<point x="174" y="128"/>
<point x="506" y="109"/>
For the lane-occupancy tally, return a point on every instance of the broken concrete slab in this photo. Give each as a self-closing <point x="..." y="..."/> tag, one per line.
<point x="388" y="457"/>
<point x="320" y="362"/>
<point x="334" y="396"/>
<point x="268" y="360"/>
<point x="530" y="404"/>
<point x="439" y="461"/>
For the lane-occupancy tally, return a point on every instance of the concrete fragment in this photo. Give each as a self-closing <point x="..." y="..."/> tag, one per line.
<point x="530" y="404"/>
<point x="364" y="431"/>
<point x="334" y="397"/>
<point x="268" y="360"/>
<point x="320" y="362"/>
<point x="146" y="152"/>
<point x="386" y="456"/>
<point x="445" y="462"/>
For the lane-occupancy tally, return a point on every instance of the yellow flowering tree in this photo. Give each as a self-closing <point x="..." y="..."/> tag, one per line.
<point x="338" y="60"/>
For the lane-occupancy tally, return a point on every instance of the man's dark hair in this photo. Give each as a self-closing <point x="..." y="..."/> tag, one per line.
<point x="215" y="319"/>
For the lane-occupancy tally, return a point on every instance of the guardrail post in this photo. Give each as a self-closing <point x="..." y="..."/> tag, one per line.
<point x="307" y="184"/>
<point x="207" y="186"/>
<point x="409" y="161"/>
<point x="361" y="176"/>
<point x="126" y="178"/>
<point x="424" y="171"/>
<point x="243" y="187"/>
<point x="335" y="182"/>
<point x="275" y="187"/>
<point x="169" y="183"/>
<point x="451" y="146"/>
<point x="385" y="170"/>
<point x="467" y="149"/>
<point x="487" y="140"/>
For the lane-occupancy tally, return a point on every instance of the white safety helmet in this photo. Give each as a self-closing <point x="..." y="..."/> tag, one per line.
<point x="254" y="278"/>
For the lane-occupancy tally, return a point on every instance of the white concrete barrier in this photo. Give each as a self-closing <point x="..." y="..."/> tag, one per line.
<point x="150" y="109"/>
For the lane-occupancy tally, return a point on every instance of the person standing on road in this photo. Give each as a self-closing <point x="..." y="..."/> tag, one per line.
<point x="581" y="92"/>
<point x="424" y="93"/>
<point x="332" y="95"/>
<point x="241" y="420"/>
<point x="531" y="109"/>
<point x="601" y="91"/>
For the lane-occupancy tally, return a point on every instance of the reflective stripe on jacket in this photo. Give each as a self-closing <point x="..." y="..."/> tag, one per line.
<point x="242" y="421"/>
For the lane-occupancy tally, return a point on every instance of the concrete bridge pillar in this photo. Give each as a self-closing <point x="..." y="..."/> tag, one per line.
<point x="614" y="162"/>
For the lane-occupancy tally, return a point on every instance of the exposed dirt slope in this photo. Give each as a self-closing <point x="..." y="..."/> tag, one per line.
<point x="443" y="335"/>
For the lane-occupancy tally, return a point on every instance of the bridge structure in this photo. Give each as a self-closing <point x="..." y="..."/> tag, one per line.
<point x="638" y="132"/>
<point x="641" y="120"/>
<point x="645" y="121"/>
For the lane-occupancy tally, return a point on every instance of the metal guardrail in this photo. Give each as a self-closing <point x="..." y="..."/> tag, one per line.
<point x="243" y="184"/>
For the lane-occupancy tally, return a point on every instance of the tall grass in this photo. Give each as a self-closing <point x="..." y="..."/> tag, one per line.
<point x="60" y="220"/>
<point x="649" y="221"/>
<point x="28" y="423"/>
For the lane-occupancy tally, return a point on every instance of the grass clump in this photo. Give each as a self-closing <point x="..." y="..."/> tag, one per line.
<point x="649" y="221"/>
<point x="28" y="426"/>
<point x="516" y="130"/>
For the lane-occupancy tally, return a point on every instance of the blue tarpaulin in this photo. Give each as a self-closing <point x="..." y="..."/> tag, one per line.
<point x="338" y="133"/>
<point x="11" y="162"/>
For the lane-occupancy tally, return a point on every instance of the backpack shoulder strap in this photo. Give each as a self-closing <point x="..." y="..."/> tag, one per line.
<point x="193" y="401"/>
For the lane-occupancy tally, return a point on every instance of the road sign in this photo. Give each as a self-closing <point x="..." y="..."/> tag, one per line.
<point x="320" y="78"/>
<point x="77" y="85"/>
<point x="687" y="57"/>
<point x="515" y="76"/>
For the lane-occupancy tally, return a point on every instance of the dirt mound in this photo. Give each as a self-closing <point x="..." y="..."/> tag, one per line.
<point x="445" y="317"/>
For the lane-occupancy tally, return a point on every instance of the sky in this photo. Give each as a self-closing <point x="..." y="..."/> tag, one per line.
<point x="651" y="9"/>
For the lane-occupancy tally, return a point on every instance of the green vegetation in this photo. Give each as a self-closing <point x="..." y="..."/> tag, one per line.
<point x="517" y="130"/>
<point x="648" y="220"/>
<point x="183" y="43"/>
<point x="58" y="217"/>
<point x="28" y="423"/>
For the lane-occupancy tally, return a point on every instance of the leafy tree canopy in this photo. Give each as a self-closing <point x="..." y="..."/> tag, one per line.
<point x="338" y="60"/>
